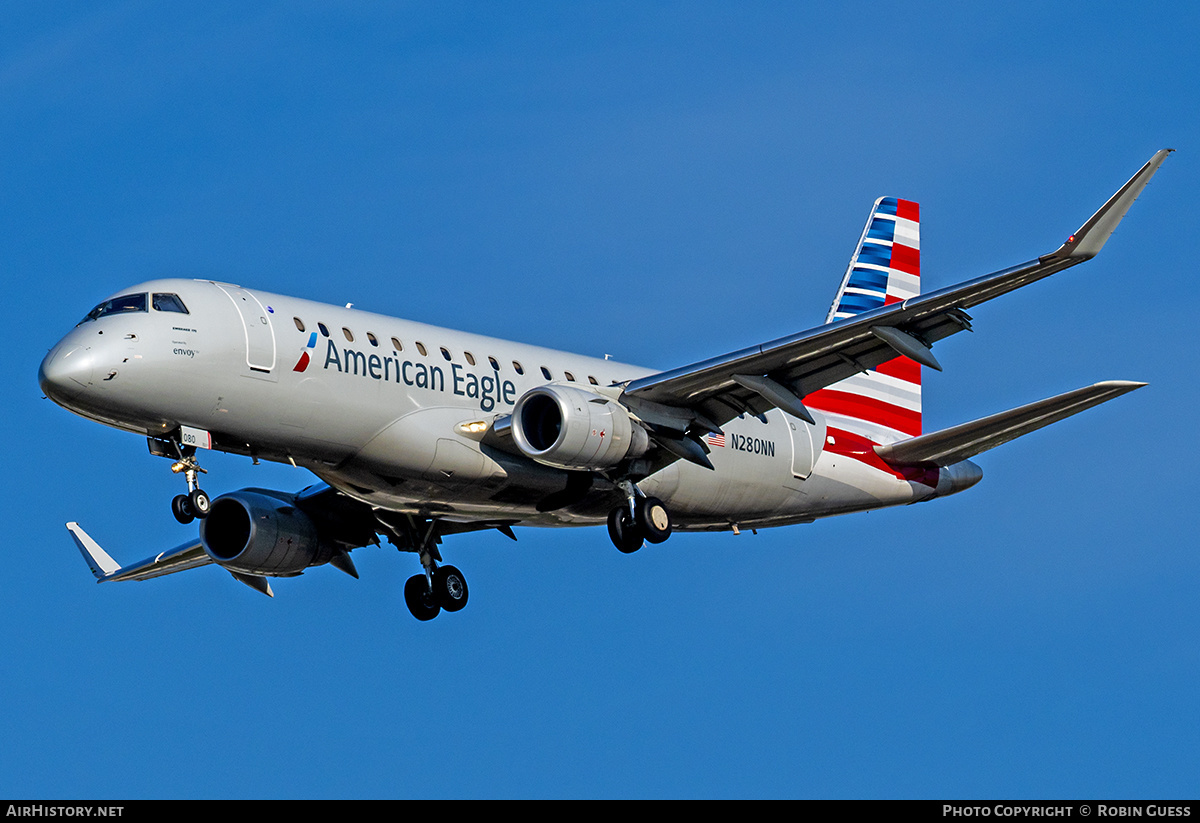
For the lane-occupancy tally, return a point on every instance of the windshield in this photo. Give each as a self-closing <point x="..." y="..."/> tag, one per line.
<point x="168" y="302"/>
<point x="124" y="303"/>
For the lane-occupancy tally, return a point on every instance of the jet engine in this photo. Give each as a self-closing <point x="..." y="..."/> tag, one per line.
<point x="570" y="428"/>
<point x="254" y="533"/>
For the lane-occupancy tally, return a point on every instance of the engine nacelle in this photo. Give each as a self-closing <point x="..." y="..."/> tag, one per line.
<point x="570" y="428"/>
<point x="254" y="533"/>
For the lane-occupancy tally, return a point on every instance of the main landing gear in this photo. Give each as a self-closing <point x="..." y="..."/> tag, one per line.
<point x="427" y="594"/>
<point x="641" y="519"/>
<point x="439" y="587"/>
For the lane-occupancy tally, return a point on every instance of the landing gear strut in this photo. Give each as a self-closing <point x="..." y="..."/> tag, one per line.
<point x="641" y="519"/>
<point x="196" y="503"/>
<point x="187" y="507"/>
<point x="439" y="587"/>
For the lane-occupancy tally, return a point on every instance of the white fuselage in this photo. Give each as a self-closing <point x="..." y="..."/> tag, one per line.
<point x="378" y="407"/>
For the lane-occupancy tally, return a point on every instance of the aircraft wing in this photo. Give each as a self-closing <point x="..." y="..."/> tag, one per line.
<point x="949" y="446"/>
<point x="779" y="373"/>
<point x="180" y="558"/>
<point x="187" y="556"/>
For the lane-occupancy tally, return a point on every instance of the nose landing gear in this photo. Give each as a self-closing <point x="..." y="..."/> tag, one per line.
<point x="196" y="503"/>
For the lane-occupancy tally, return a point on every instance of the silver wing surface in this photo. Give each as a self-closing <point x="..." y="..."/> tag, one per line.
<point x="188" y="556"/>
<point x="779" y="373"/>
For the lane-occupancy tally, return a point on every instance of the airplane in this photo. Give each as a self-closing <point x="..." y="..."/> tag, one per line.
<point x="417" y="433"/>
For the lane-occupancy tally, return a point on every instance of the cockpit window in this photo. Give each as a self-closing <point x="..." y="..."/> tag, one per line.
<point x="169" y="302"/>
<point x="118" y="305"/>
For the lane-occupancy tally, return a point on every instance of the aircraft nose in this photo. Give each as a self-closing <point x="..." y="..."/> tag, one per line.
<point x="66" y="372"/>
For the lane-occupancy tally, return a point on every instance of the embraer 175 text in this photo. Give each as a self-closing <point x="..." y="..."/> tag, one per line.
<point x="419" y="432"/>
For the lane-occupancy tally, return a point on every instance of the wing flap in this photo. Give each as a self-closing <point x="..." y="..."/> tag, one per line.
<point x="958" y="443"/>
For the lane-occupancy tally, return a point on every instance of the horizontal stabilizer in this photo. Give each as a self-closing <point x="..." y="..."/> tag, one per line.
<point x="949" y="446"/>
<point x="187" y="556"/>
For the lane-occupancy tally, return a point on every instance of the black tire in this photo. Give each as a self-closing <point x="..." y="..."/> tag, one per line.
<point x="419" y="599"/>
<point x="653" y="520"/>
<point x="200" y="503"/>
<point x="449" y="588"/>
<point x="623" y="530"/>
<point x="181" y="507"/>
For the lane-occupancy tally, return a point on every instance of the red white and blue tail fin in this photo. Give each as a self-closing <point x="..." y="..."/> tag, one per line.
<point x="886" y="266"/>
<point x="882" y="405"/>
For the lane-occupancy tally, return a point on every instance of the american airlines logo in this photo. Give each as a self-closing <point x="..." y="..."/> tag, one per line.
<point x="302" y="363"/>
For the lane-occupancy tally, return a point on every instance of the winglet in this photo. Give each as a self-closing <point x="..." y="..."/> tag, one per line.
<point x="97" y="559"/>
<point x="1091" y="236"/>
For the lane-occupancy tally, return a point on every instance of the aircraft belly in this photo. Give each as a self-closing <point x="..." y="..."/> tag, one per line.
<point x="422" y="444"/>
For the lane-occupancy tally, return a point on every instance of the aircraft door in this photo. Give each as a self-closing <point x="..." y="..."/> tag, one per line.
<point x="807" y="442"/>
<point x="256" y="322"/>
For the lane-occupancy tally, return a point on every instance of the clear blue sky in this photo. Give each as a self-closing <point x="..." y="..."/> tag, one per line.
<point x="660" y="182"/>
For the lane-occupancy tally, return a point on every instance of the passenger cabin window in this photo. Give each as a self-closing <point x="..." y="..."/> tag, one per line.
<point x="570" y="377"/>
<point x="349" y="334"/>
<point x="470" y="357"/>
<point x="299" y="323"/>
<point x="324" y="330"/>
<point x="396" y="344"/>
<point x="495" y="363"/>
<point x="373" y="339"/>
<point x="168" y="302"/>
<point x="593" y="380"/>
<point x="421" y="348"/>
<point x="445" y="353"/>
<point x="546" y="373"/>
<point x="517" y="368"/>
<point x="118" y="305"/>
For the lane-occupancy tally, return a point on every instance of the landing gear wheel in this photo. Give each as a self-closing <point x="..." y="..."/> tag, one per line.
<point x="181" y="507"/>
<point x="419" y="599"/>
<point x="200" y="503"/>
<point x="449" y="588"/>
<point x="652" y="519"/>
<point x="623" y="530"/>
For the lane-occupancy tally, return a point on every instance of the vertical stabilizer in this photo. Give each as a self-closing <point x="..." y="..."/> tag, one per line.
<point x="882" y="405"/>
<point x="886" y="266"/>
